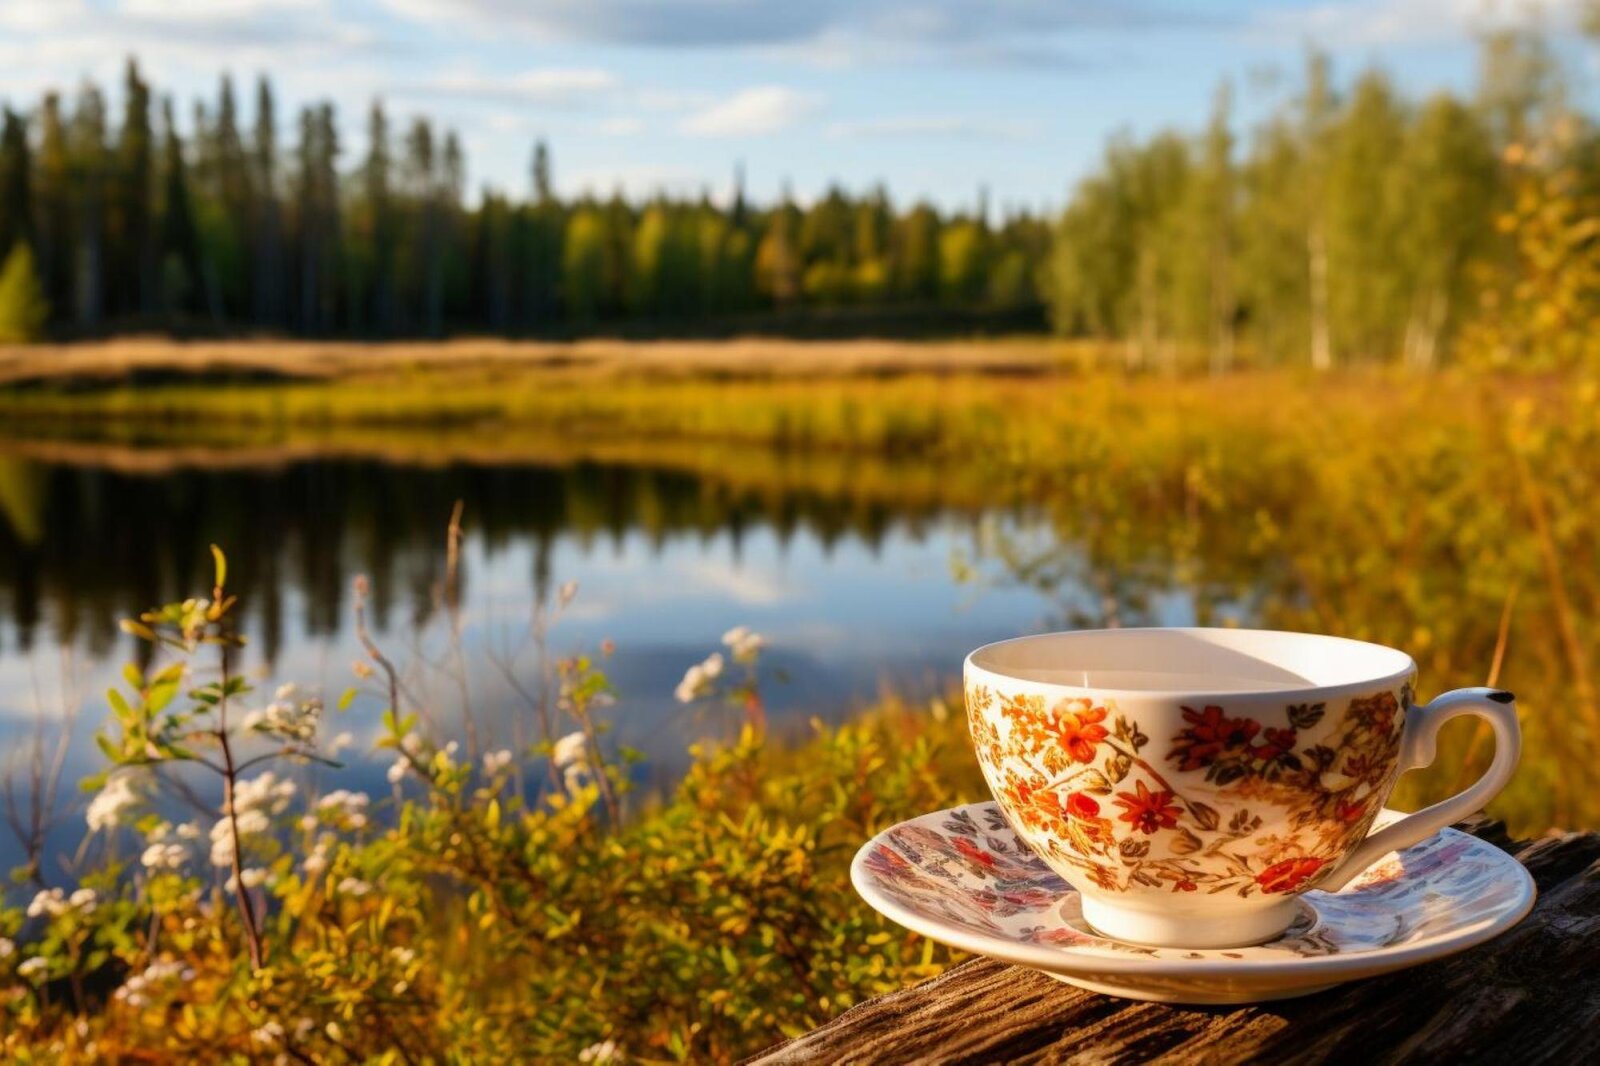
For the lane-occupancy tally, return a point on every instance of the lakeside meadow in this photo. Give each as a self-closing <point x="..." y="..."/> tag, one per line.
<point x="512" y="898"/>
<point x="433" y="631"/>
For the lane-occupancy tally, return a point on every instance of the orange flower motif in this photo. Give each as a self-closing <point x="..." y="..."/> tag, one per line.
<point x="1148" y="811"/>
<point x="1082" y="805"/>
<point x="1078" y="728"/>
<point x="1288" y="875"/>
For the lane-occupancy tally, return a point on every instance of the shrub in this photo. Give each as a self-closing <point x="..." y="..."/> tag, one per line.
<point x="462" y="918"/>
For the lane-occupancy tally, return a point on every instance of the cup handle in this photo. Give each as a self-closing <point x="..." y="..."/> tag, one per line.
<point x="1417" y="748"/>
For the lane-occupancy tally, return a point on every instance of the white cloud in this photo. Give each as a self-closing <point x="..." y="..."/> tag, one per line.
<point x="621" y="126"/>
<point x="549" y="85"/>
<point x="751" y="112"/>
<point x="843" y="30"/>
<point x="956" y="127"/>
<point x="1403" y="22"/>
<point x="214" y="11"/>
<point x="663" y="100"/>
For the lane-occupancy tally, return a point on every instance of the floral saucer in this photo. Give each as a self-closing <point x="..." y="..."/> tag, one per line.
<point x="962" y="877"/>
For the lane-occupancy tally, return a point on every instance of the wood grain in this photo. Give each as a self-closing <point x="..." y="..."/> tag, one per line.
<point x="1532" y="995"/>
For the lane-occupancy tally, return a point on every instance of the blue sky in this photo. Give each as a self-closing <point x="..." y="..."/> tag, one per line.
<point x="932" y="97"/>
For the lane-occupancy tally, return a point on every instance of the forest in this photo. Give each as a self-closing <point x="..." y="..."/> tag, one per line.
<point x="1350" y="224"/>
<point x="230" y="230"/>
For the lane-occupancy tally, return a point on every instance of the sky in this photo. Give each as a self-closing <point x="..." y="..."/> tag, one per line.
<point x="933" y="98"/>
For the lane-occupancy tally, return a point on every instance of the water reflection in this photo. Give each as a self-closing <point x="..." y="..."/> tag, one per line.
<point x="854" y="594"/>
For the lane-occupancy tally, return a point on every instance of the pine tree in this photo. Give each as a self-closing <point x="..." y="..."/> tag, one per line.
<point x="375" y="182"/>
<point x="180" y="245"/>
<point x="266" y="273"/>
<point x="543" y="189"/>
<point x="87" y="152"/>
<point x="16" y="194"/>
<point x="23" y="307"/>
<point x="52" y="200"/>
<point x="133" y="244"/>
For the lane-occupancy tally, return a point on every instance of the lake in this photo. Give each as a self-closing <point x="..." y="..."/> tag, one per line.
<point x="855" y="598"/>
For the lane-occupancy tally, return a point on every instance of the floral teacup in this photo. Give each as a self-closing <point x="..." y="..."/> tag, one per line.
<point x="1190" y="783"/>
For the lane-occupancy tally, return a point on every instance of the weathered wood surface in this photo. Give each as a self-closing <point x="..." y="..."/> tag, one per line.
<point x="1531" y="995"/>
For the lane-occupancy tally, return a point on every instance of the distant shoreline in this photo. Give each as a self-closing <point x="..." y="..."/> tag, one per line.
<point x="139" y="360"/>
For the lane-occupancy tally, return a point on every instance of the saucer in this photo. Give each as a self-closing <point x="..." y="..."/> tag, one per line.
<point x="962" y="877"/>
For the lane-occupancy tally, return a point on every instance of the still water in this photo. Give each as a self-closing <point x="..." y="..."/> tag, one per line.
<point x="852" y="597"/>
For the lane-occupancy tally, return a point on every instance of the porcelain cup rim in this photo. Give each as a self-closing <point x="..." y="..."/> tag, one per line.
<point x="1366" y="681"/>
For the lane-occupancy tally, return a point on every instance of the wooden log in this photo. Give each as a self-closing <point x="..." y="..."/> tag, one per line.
<point x="1531" y="995"/>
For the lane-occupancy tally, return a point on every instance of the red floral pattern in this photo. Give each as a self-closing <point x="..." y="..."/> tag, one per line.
<point x="1232" y="803"/>
<point x="1288" y="875"/>
<point x="1149" y="812"/>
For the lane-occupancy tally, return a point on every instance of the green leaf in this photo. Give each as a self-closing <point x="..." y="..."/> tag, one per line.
<point x="119" y="705"/>
<point x="347" y="698"/>
<point x="222" y="565"/>
<point x="137" y="629"/>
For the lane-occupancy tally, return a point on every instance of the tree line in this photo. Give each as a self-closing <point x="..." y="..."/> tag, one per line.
<point x="129" y="223"/>
<point x="1348" y="225"/>
<point x="1352" y="226"/>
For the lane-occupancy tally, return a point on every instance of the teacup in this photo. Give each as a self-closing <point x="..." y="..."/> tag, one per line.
<point x="1191" y="783"/>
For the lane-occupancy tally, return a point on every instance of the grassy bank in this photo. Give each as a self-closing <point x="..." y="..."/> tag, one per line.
<point x="1455" y="516"/>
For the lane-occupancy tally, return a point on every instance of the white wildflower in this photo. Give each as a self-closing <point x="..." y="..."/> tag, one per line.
<point x="188" y="831"/>
<point x="404" y="956"/>
<point x="267" y="1033"/>
<point x="565" y="594"/>
<point x="31" y="967"/>
<point x="113" y="802"/>
<point x="340" y="742"/>
<point x="496" y="761"/>
<point x="133" y="990"/>
<point x="692" y="686"/>
<point x="712" y="667"/>
<point x="397" y="771"/>
<point x="48" y="904"/>
<point x="287" y="717"/>
<point x="7" y="948"/>
<point x="159" y="856"/>
<point x="570" y="749"/>
<point x="84" y="899"/>
<point x="743" y="644"/>
<point x="350" y="806"/>
<point x="603" y="1052"/>
<point x="354" y="886"/>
